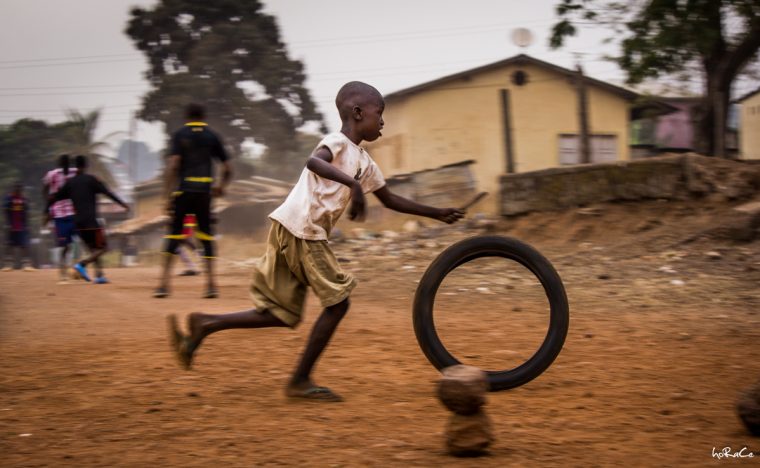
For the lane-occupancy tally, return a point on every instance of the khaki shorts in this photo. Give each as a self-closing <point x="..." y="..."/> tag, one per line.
<point x="289" y="265"/>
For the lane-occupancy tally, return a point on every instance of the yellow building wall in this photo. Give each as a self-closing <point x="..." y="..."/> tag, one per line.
<point x="749" y="135"/>
<point x="462" y="120"/>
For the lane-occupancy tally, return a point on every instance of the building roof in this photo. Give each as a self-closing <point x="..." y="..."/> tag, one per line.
<point x="748" y="95"/>
<point x="516" y="60"/>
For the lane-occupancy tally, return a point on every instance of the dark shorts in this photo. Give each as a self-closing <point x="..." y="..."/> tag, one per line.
<point x="93" y="238"/>
<point x="196" y="203"/>
<point x="18" y="238"/>
<point x="64" y="230"/>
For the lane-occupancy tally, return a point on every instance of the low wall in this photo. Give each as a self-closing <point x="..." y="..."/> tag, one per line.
<point x="665" y="177"/>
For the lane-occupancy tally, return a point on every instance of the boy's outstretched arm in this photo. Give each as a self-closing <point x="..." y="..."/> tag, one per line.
<point x="105" y="191"/>
<point x="319" y="163"/>
<point x="404" y="205"/>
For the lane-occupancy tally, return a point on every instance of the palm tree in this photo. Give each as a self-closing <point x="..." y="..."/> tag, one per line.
<point x="79" y="138"/>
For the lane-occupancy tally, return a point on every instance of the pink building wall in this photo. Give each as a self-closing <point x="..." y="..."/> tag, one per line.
<point x="675" y="130"/>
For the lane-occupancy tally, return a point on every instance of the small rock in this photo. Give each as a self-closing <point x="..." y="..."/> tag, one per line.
<point x="713" y="255"/>
<point x="336" y="235"/>
<point x="588" y="335"/>
<point x="468" y="435"/>
<point x="677" y="282"/>
<point x="748" y="408"/>
<point x="590" y="211"/>
<point x="647" y="225"/>
<point x="359" y="233"/>
<point x="604" y="276"/>
<point x="412" y="226"/>
<point x="462" y="389"/>
<point x="388" y="234"/>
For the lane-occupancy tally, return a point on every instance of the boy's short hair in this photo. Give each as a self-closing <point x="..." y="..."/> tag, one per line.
<point x="64" y="161"/>
<point x="195" y="111"/>
<point x="80" y="161"/>
<point x="351" y="94"/>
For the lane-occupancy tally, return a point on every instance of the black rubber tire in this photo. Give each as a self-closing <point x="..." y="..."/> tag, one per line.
<point x="492" y="246"/>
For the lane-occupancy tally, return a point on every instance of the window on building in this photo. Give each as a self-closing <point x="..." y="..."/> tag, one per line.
<point x="603" y="148"/>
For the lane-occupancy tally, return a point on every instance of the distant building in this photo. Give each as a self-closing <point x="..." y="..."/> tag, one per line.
<point x="749" y="139"/>
<point x="672" y="131"/>
<point x="515" y="115"/>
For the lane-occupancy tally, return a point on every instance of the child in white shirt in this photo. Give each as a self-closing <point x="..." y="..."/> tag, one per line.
<point x="298" y="255"/>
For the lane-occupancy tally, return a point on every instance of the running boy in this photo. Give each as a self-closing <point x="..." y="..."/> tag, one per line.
<point x="61" y="211"/>
<point x="298" y="254"/>
<point x="83" y="190"/>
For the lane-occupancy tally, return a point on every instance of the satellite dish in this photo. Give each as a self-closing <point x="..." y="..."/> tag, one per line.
<point x="522" y="37"/>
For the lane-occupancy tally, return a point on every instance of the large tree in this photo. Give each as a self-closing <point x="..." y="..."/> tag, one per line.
<point x="228" y="56"/>
<point x="663" y="37"/>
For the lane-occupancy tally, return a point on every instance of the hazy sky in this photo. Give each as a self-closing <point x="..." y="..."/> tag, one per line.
<point x="60" y="54"/>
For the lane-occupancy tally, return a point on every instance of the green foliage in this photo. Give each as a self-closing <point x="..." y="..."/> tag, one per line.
<point x="29" y="148"/>
<point x="660" y="38"/>
<point x="200" y="51"/>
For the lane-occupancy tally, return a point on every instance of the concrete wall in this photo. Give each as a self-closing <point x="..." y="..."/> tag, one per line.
<point x="749" y="140"/>
<point x="666" y="177"/>
<point x="463" y="120"/>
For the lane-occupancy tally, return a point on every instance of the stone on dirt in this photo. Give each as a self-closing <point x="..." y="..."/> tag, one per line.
<point x="468" y="435"/>
<point x="412" y="226"/>
<point x="462" y="389"/>
<point x="748" y="408"/>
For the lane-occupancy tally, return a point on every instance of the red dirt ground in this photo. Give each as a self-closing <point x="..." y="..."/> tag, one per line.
<point x="649" y="375"/>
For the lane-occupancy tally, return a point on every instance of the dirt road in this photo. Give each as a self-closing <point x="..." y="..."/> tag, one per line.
<point x="649" y="374"/>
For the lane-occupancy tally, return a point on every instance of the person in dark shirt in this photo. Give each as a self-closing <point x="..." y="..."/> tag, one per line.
<point x="190" y="180"/>
<point x="16" y="207"/>
<point x="83" y="189"/>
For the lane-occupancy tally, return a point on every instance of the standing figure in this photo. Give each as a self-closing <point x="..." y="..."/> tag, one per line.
<point x="62" y="212"/>
<point x="16" y="215"/>
<point x="83" y="190"/>
<point x="190" y="250"/>
<point x="190" y="180"/>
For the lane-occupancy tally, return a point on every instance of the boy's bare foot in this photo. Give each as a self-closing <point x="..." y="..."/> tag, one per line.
<point x="309" y="391"/>
<point x="182" y="345"/>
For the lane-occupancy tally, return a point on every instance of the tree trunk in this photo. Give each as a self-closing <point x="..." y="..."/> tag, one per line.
<point x="711" y="115"/>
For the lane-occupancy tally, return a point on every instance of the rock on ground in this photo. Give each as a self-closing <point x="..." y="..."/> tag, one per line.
<point x="468" y="435"/>
<point x="462" y="389"/>
<point x="748" y="408"/>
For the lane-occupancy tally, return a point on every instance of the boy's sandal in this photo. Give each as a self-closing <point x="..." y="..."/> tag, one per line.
<point x="315" y="393"/>
<point x="160" y="293"/>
